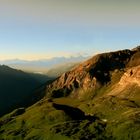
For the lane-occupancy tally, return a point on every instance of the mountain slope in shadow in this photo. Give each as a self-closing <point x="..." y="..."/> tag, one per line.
<point x="17" y="88"/>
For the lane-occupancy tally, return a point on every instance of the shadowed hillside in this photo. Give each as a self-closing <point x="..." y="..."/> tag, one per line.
<point x="17" y="88"/>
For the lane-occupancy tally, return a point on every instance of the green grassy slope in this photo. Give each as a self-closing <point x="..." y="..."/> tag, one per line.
<point x="45" y="121"/>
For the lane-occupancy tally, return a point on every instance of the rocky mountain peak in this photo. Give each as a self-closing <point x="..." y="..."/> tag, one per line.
<point x="92" y="73"/>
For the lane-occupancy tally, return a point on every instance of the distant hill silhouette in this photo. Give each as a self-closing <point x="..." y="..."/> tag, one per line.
<point x="60" y="69"/>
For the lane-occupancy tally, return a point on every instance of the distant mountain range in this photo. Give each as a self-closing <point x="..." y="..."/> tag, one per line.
<point x="43" y="65"/>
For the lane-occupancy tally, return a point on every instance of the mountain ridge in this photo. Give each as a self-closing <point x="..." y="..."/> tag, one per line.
<point x="94" y="72"/>
<point x="98" y="99"/>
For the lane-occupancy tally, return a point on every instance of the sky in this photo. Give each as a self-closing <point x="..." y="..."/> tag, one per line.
<point x="39" y="29"/>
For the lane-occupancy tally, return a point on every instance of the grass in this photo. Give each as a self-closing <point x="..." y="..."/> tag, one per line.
<point x="42" y="122"/>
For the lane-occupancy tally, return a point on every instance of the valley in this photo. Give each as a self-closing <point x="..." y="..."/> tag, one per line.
<point x="98" y="99"/>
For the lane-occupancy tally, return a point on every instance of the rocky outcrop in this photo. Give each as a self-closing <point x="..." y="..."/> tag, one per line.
<point x="129" y="81"/>
<point x="131" y="76"/>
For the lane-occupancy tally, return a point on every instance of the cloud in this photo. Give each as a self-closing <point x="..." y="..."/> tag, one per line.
<point x="90" y="13"/>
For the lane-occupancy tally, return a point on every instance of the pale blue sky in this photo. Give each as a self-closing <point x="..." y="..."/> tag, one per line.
<point x="37" y="29"/>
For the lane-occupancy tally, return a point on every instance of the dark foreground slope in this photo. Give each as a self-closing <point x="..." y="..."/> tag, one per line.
<point x="99" y="99"/>
<point x="16" y="88"/>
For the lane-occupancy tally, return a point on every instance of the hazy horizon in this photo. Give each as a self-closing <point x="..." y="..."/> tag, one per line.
<point x="42" y="29"/>
<point x="53" y="57"/>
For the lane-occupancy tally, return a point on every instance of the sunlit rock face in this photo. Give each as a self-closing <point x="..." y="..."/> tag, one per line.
<point x="131" y="76"/>
<point x="128" y="84"/>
